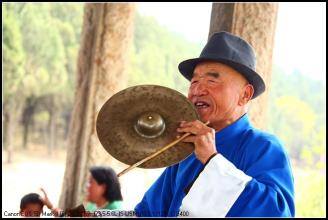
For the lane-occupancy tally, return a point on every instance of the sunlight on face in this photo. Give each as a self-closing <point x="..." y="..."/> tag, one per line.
<point x="216" y="90"/>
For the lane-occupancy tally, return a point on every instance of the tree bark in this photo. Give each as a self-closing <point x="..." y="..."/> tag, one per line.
<point x="9" y="126"/>
<point x="12" y="108"/>
<point x="67" y="118"/>
<point x="102" y="71"/>
<point x="52" y="111"/>
<point x="27" y="117"/>
<point x="256" y="23"/>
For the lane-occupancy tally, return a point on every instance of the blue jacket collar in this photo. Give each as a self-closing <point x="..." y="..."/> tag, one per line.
<point x="233" y="129"/>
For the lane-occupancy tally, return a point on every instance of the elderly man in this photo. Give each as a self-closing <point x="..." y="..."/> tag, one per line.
<point x="236" y="170"/>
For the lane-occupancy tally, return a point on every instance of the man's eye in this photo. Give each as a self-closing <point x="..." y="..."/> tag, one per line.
<point x="211" y="81"/>
<point x="193" y="82"/>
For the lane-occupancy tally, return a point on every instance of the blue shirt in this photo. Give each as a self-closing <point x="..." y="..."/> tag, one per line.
<point x="258" y="154"/>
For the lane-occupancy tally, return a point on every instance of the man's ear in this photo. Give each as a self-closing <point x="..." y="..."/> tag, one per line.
<point x="247" y="94"/>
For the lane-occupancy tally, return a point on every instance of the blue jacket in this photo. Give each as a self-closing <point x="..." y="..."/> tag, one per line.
<point x="256" y="153"/>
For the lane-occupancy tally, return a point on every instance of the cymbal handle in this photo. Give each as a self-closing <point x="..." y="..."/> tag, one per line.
<point x="156" y="153"/>
<point x="153" y="155"/>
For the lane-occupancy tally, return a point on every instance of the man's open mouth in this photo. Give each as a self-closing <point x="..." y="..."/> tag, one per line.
<point x="201" y="104"/>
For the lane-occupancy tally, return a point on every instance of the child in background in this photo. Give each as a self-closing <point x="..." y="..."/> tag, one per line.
<point x="31" y="205"/>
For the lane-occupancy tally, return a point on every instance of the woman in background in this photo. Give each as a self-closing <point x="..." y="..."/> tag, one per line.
<point x="103" y="190"/>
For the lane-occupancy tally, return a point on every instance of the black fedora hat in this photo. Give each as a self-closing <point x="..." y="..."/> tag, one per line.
<point x="231" y="50"/>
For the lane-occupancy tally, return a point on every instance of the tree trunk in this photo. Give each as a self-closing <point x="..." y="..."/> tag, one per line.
<point x="51" y="130"/>
<point x="102" y="71"/>
<point x="9" y="126"/>
<point x="12" y="108"/>
<point x="53" y="117"/>
<point x="5" y="123"/>
<point x="27" y="117"/>
<point x="67" y="118"/>
<point x="25" y="135"/>
<point x="256" y="23"/>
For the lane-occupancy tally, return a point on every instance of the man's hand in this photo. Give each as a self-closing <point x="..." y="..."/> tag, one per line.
<point x="202" y="136"/>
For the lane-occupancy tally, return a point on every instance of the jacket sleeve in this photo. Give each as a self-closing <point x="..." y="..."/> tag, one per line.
<point x="263" y="188"/>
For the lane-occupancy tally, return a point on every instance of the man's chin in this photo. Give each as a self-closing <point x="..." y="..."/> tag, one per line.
<point x="204" y="118"/>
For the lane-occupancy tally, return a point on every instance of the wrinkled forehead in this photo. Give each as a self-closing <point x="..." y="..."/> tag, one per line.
<point x="211" y="74"/>
<point x="215" y="69"/>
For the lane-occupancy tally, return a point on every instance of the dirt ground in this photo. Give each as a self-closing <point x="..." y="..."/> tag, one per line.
<point x="34" y="168"/>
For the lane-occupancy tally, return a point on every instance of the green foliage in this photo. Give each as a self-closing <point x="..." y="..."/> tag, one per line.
<point x="40" y="47"/>
<point x="45" y="51"/>
<point x="40" y="44"/>
<point x="156" y="54"/>
<point x="310" y="193"/>
<point x="13" y="53"/>
<point x="314" y="154"/>
<point x="296" y="118"/>
<point x="296" y="114"/>
<point x="310" y="91"/>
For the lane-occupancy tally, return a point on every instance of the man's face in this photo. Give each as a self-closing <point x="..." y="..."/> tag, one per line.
<point x="217" y="90"/>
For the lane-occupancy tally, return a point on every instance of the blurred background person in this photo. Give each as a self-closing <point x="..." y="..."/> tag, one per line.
<point x="31" y="205"/>
<point x="103" y="192"/>
<point x="103" y="189"/>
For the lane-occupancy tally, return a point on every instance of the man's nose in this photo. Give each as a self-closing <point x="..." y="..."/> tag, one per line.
<point x="199" y="89"/>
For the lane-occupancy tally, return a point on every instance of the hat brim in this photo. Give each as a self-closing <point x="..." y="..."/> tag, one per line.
<point x="187" y="67"/>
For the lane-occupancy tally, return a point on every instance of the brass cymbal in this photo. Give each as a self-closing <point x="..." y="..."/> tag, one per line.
<point x="137" y="121"/>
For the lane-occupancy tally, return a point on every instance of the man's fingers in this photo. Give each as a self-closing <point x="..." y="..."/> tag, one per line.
<point x="188" y="123"/>
<point x="195" y="128"/>
<point x="191" y="130"/>
<point x="197" y="124"/>
<point x="189" y="139"/>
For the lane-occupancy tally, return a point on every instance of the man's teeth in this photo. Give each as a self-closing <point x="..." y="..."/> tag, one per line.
<point x="201" y="105"/>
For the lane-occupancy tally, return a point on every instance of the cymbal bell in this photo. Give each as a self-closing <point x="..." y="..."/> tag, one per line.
<point x="138" y="121"/>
